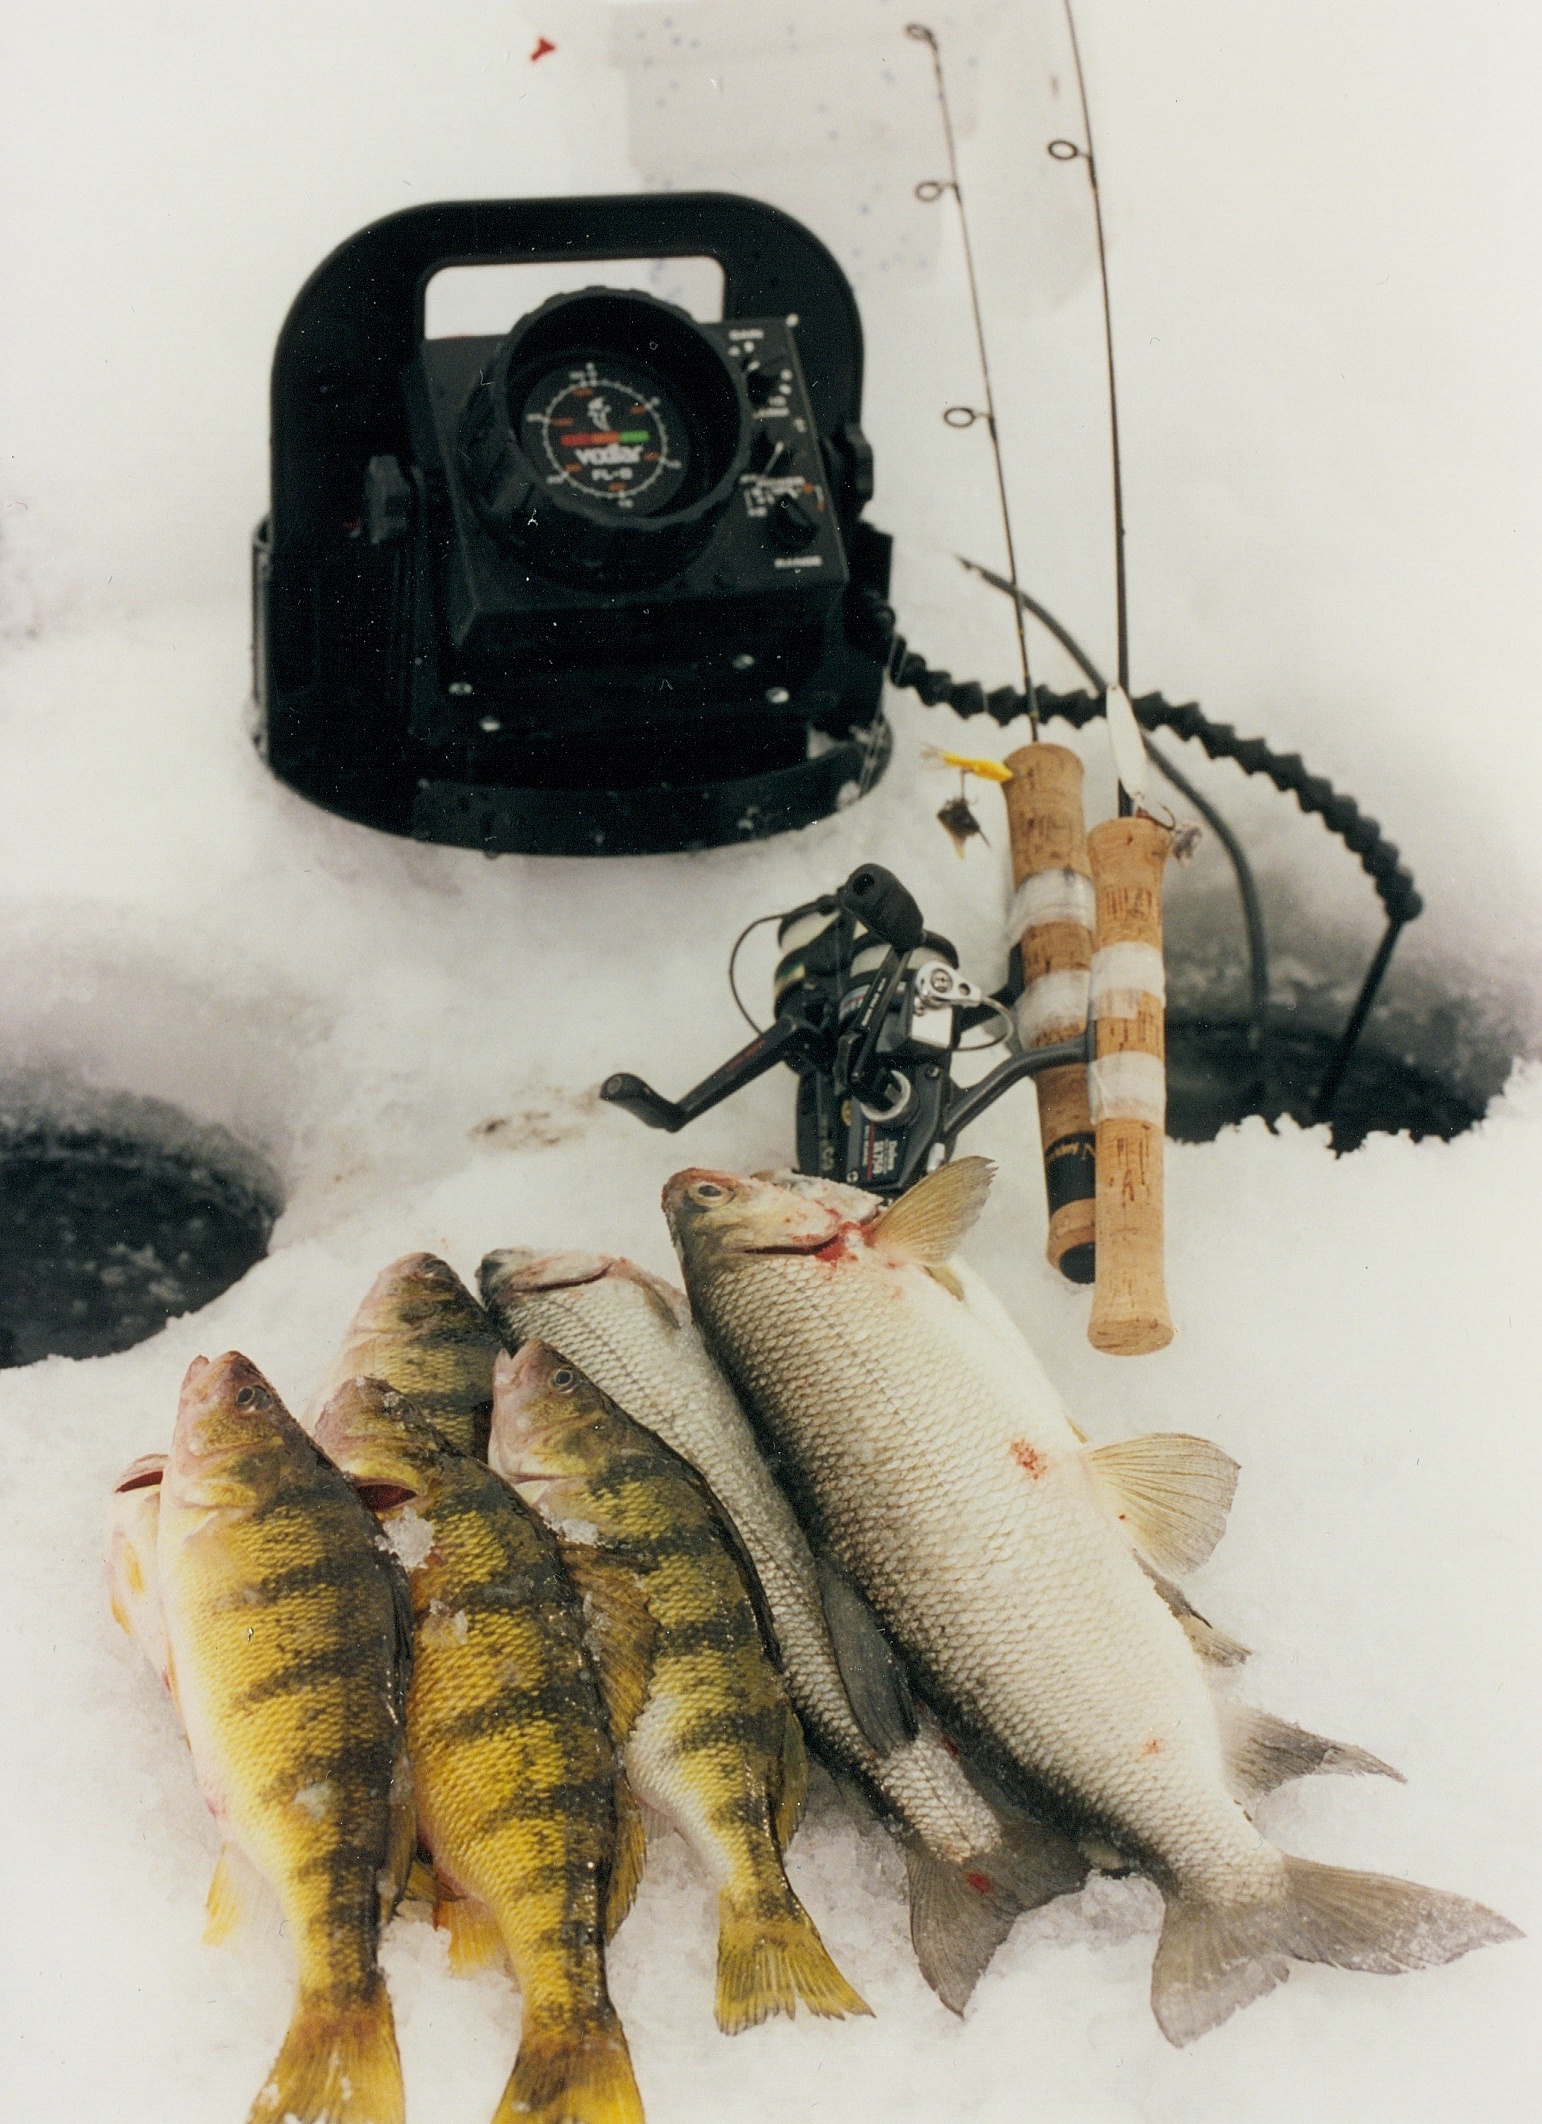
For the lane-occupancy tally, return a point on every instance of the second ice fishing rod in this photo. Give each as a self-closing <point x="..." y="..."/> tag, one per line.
<point x="1087" y="913"/>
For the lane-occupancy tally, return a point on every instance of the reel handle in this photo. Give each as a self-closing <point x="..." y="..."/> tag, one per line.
<point x="1053" y="906"/>
<point x="877" y="899"/>
<point x="1128" y="1085"/>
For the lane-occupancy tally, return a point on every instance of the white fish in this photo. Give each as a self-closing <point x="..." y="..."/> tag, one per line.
<point x="972" y="1868"/>
<point x="1001" y="1553"/>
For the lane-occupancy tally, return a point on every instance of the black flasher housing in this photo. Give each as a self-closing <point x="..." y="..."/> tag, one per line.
<point x="463" y="633"/>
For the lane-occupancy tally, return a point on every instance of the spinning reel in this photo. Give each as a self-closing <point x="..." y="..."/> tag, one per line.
<point x="871" y="1009"/>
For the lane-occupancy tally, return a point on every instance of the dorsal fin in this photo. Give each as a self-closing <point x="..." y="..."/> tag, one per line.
<point x="1170" y="1492"/>
<point x="930" y="1219"/>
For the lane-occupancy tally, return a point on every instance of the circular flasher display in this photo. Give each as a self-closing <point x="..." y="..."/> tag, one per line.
<point x="606" y="429"/>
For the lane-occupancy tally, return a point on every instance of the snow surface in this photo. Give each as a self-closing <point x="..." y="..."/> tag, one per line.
<point x="1317" y="216"/>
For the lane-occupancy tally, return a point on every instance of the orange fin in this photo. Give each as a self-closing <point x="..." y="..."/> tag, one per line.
<point x="475" y="1941"/>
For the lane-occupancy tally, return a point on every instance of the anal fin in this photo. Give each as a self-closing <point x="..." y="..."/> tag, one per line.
<point x="1264" y="1752"/>
<point x="1170" y="1492"/>
<point x="792" y="1791"/>
<point x="474" y="1939"/>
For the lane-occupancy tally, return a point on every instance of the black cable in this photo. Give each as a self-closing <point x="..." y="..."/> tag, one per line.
<point x="875" y="629"/>
<point x="1247" y="890"/>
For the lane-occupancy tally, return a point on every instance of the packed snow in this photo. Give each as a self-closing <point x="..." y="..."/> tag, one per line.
<point x="1315" y="216"/>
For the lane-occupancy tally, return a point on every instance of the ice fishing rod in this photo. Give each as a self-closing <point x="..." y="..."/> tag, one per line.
<point x="1087" y="915"/>
<point x="928" y="191"/>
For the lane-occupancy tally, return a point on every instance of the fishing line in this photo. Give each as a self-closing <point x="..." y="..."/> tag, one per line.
<point x="733" y="962"/>
<point x="928" y="192"/>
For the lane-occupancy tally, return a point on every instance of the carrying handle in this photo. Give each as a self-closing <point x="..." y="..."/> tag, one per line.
<point x="1128" y="1085"/>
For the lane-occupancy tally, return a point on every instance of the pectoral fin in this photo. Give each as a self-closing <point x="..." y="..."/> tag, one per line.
<point x="1170" y="1492"/>
<point x="876" y="1683"/>
<point x="930" y="1220"/>
<point x="618" y="1631"/>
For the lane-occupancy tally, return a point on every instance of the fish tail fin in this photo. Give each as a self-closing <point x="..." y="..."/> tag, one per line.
<point x="767" y="1963"/>
<point x="961" y="1911"/>
<point x="567" y="2077"/>
<point x="339" y="2064"/>
<point x="1211" y="1958"/>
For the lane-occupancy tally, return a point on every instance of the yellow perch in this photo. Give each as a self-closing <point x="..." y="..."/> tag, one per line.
<point x="515" y="1777"/>
<point x="709" y="1736"/>
<point x="420" y="1330"/>
<point x="288" y="1647"/>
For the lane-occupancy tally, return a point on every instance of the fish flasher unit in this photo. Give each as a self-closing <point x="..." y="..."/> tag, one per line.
<point x="588" y="587"/>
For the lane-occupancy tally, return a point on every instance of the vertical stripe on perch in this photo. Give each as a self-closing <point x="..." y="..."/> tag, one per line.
<point x="1052" y="914"/>
<point x="1128" y="1085"/>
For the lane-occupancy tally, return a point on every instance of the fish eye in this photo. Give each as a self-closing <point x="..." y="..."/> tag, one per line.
<point x="564" y="1379"/>
<point x="708" y="1191"/>
<point x="253" y="1397"/>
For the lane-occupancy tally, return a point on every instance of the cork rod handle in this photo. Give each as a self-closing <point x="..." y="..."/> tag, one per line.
<point x="1052" y="918"/>
<point x="1128" y="1085"/>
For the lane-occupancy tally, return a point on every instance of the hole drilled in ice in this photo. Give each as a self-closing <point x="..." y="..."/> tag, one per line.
<point x="114" y="1221"/>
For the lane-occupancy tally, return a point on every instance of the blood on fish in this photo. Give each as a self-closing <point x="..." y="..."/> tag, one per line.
<point x="1029" y="1458"/>
<point x="1153" y="1746"/>
<point x="981" y="1883"/>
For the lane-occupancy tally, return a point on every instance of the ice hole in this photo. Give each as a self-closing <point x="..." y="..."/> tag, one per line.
<point x="116" y="1214"/>
<point x="1434" y="1051"/>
